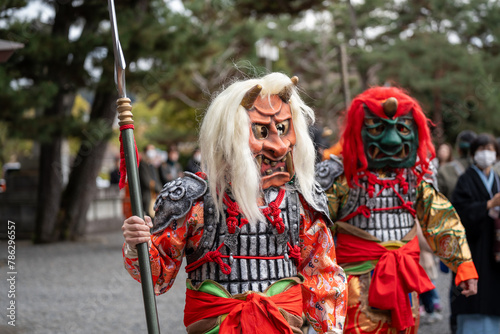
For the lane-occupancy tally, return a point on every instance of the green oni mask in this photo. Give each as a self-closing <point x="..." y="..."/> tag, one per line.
<point x="390" y="142"/>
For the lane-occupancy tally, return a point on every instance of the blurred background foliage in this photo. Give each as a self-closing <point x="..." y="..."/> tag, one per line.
<point x="180" y="53"/>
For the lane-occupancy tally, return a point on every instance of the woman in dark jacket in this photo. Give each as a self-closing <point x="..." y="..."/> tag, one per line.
<point x="476" y="199"/>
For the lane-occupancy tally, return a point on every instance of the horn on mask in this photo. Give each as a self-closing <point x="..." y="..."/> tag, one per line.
<point x="390" y="107"/>
<point x="250" y="97"/>
<point x="286" y="92"/>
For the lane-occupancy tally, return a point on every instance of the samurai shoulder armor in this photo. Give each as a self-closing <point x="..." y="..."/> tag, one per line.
<point x="176" y="199"/>
<point x="328" y="171"/>
<point x="321" y="202"/>
<point x="430" y="177"/>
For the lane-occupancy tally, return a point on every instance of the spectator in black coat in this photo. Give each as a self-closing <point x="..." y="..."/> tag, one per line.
<point x="149" y="179"/>
<point x="477" y="199"/>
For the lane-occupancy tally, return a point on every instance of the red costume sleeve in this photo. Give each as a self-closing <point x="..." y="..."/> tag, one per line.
<point x="167" y="249"/>
<point x="324" y="290"/>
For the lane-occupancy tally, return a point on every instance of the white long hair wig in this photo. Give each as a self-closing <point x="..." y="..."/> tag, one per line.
<point x="224" y="142"/>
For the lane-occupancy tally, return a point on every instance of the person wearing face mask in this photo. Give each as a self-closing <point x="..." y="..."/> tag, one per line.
<point x="477" y="200"/>
<point x="149" y="178"/>
<point x="448" y="173"/>
<point x="170" y="169"/>
<point x="193" y="165"/>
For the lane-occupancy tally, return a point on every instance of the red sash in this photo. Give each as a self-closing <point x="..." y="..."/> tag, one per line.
<point x="396" y="274"/>
<point x="256" y="314"/>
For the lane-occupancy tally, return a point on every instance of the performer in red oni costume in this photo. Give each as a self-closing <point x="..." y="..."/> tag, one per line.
<point x="255" y="227"/>
<point x="377" y="193"/>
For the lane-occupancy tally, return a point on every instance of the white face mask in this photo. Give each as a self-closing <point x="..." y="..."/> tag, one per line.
<point x="151" y="154"/>
<point x="485" y="158"/>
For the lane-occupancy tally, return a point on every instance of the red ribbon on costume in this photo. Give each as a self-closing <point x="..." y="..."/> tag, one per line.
<point x="361" y="210"/>
<point x="273" y="209"/>
<point x="233" y="210"/>
<point x="374" y="179"/>
<point x="397" y="273"/>
<point x="123" y="165"/>
<point x="272" y="213"/>
<point x="295" y="253"/>
<point x="255" y="314"/>
<point x="216" y="256"/>
<point x="385" y="184"/>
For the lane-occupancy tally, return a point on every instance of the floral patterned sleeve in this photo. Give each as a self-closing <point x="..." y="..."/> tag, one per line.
<point x="167" y="249"/>
<point x="324" y="289"/>
<point x="444" y="231"/>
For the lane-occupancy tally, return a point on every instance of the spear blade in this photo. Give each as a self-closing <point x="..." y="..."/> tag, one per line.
<point x="120" y="64"/>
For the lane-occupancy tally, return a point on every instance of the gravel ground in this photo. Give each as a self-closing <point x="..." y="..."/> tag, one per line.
<point x="82" y="287"/>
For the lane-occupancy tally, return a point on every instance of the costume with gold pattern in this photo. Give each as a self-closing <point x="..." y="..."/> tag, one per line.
<point x="377" y="191"/>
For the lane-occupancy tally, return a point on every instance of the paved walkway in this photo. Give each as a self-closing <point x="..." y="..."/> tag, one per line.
<point x="82" y="287"/>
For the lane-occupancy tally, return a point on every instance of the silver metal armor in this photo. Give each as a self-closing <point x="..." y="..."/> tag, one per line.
<point x="260" y="240"/>
<point x="385" y="225"/>
<point x="254" y="240"/>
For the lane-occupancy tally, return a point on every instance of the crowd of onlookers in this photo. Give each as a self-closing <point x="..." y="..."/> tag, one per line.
<point x="471" y="182"/>
<point x="156" y="168"/>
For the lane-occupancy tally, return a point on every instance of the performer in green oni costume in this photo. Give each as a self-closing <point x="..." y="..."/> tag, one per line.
<point x="377" y="192"/>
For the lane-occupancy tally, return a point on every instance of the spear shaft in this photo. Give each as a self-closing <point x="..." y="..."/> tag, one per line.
<point x="126" y="122"/>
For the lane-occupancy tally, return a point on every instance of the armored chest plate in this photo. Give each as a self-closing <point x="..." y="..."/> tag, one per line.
<point x="252" y="240"/>
<point x="392" y="224"/>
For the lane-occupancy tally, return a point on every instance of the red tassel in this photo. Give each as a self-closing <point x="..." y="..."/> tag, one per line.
<point x="202" y="175"/>
<point x="233" y="210"/>
<point x="123" y="166"/>
<point x="295" y="254"/>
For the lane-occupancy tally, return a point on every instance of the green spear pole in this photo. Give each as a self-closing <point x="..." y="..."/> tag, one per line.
<point x="125" y="116"/>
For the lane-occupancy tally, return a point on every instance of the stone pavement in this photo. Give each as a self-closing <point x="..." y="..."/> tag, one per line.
<point x="82" y="287"/>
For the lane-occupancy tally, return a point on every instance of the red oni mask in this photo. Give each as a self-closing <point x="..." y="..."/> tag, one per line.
<point x="272" y="138"/>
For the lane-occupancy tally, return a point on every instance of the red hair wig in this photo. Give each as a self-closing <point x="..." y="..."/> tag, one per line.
<point x="353" y="149"/>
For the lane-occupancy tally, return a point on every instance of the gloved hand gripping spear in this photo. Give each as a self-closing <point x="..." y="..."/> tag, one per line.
<point x="128" y="154"/>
